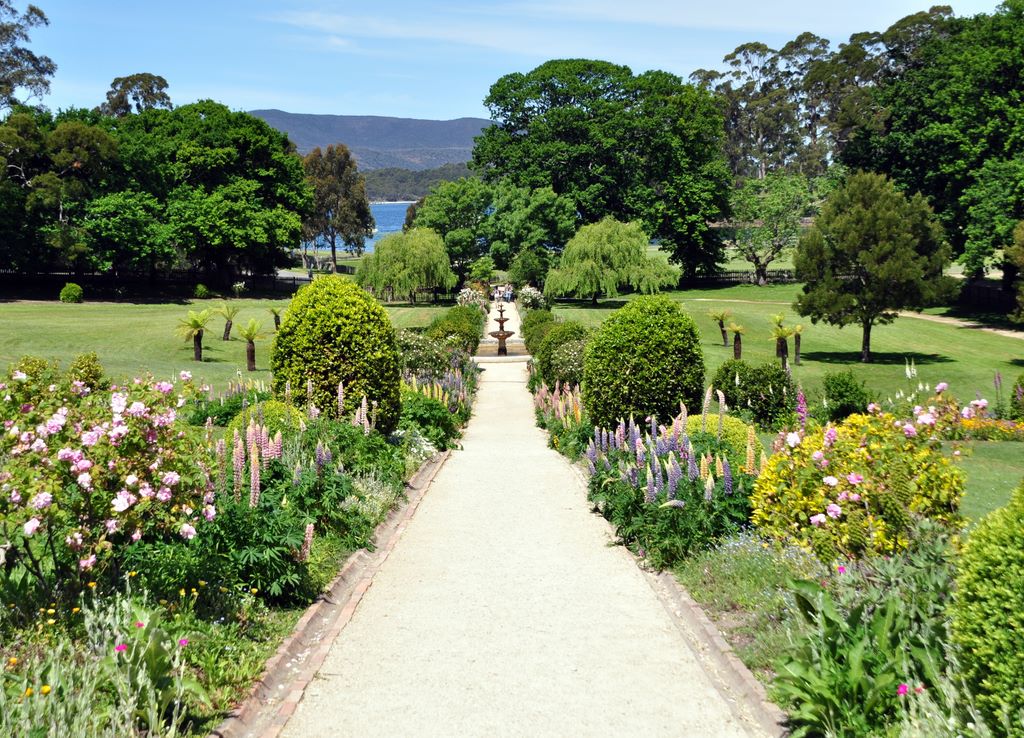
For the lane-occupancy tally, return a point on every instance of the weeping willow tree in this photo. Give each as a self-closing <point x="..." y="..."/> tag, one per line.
<point x="403" y="264"/>
<point x="604" y="257"/>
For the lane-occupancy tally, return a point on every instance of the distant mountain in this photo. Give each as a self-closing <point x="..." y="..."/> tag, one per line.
<point x="379" y="142"/>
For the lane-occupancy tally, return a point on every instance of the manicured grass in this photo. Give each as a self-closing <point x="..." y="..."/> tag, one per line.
<point x="131" y="338"/>
<point x="965" y="358"/>
<point x="994" y="469"/>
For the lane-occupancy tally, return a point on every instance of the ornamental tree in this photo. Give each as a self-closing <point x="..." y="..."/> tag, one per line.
<point x="402" y="264"/>
<point x="604" y="256"/>
<point x="871" y="252"/>
<point x="766" y="218"/>
<point x="341" y="209"/>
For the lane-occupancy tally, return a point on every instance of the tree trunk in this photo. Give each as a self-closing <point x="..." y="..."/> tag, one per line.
<point x="737" y="347"/>
<point x="277" y="322"/>
<point x="593" y="300"/>
<point x="227" y="330"/>
<point x="865" y="344"/>
<point x="782" y="349"/>
<point x="250" y="356"/>
<point x="334" y="255"/>
<point x="197" y="346"/>
<point x="796" y="349"/>
<point x="761" y="274"/>
<point x="725" y="334"/>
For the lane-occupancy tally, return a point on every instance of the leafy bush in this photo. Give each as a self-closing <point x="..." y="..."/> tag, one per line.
<point x="856" y="488"/>
<point x="431" y="417"/>
<point x="87" y="369"/>
<point x="842" y="396"/>
<point x="1017" y="399"/>
<point x="733" y="379"/>
<point x="461" y="326"/>
<point x="560" y="333"/>
<point x="567" y="363"/>
<point x="472" y="297"/>
<point x="201" y="292"/>
<point x="769" y="395"/>
<point x="274" y="414"/>
<point x="644" y="360"/>
<point x="423" y="356"/>
<point x="335" y="333"/>
<point x="739" y="441"/>
<point x="534" y="326"/>
<point x="988" y="613"/>
<point x="224" y="408"/>
<point x="530" y="298"/>
<point x="71" y="293"/>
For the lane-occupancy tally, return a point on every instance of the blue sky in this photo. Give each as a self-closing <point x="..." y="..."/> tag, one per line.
<point x="409" y="59"/>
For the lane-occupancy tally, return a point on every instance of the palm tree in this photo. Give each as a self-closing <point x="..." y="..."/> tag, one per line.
<point x="737" y="340"/>
<point x="797" y="330"/>
<point x="276" y="312"/>
<point x="229" y="312"/>
<point x="720" y="316"/>
<point x="250" y="332"/>
<point x="781" y="335"/>
<point x="193" y="327"/>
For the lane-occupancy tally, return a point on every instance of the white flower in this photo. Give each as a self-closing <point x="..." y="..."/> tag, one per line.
<point x="793" y="439"/>
<point x="31" y="526"/>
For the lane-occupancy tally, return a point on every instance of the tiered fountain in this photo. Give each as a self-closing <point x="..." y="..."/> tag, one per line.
<point x="501" y="334"/>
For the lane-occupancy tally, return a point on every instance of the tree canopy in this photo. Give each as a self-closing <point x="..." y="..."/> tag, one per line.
<point x="642" y="147"/>
<point x="341" y="209"/>
<point x="766" y="218"/>
<point x="22" y="72"/>
<point x="403" y="264"/>
<point x="871" y="252"/>
<point x="135" y="93"/>
<point x="607" y="255"/>
<point x="457" y="212"/>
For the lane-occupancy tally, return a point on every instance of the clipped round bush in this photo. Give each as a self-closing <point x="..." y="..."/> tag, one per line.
<point x="276" y="415"/>
<point x="71" y="293"/>
<point x="735" y="437"/>
<point x="732" y="378"/>
<point x="334" y="332"/>
<point x="1017" y="399"/>
<point x="567" y="363"/>
<point x="842" y="396"/>
<point x="856" y="488"/>
<point x="533" y="326"/>
<point x="460" y="326"/>
<point x="644" y="360"/>
<point x="201" y="292"/>
<point x="988" y="614"/>
<point x="769" y="394"/>
<point x="560" y="334"/>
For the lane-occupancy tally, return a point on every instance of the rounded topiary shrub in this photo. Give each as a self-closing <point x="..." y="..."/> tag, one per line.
<point x="87" y="369"/>
<point x="559" y="335"/>
<point x="455" y="327"/>
<point x="276" y="415"/>
<point x="334" y="332"/>
<point x="567" y="363"/>
<point x="645" y="359"/>
<point x="71" y="292"/>
<point x="842" y="395"/>
<point x="769" y="394"/>
<point x="533" y="326"/>
<point x="732" y="378"/>
<point x="988" y="614"/>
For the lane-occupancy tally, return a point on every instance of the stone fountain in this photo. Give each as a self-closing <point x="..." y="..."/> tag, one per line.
<point x="501" y="334"/>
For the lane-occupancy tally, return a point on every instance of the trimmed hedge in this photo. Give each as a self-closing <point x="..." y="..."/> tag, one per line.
<point x="334" y="332"/>
<point x="842" y="396"/>
<point x="988" y="614"/>
<point x="558" y="335"/>
<point x="71" y="293"/>
<point x="534" y="326"/>
<point x="645" y="359"/>
<point x="567" y="363"/>
<point x="461" y="326"/>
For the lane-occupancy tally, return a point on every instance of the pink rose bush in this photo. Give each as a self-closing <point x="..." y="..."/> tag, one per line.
<point x="79" y="467"/>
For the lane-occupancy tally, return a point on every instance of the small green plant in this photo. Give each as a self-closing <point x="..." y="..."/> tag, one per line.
<point x="431" y="417"/>
<point x="201" y="292"/>
<point x="842" y="396"/>
<point x="769" y="395"/>
<point x="71" y="293"/>
<point x="238" y="288"/>
<point x="732" y="379"/>
<point x="276" y="312"/>
<point x="461" y="326"/>
<point x="87" y="369"/>
<point x="559" y="335"/>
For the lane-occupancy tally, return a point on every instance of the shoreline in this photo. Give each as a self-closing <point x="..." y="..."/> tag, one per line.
<point x="392" y="202"/>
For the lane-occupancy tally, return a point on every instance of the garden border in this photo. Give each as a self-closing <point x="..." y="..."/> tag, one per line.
<point x="277" y="692"/>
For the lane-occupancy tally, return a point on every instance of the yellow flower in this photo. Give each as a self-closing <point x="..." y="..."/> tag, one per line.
<point x="75" y="610"/>
<point x="181" y="592"/>
<point x="202" y="583"/>
<point x="45" y="689"/>
<point x="51" y="611"/>
<point x="132" y="573"/>
<point x="254" y="590"/>
<point x="28" y="692"/>
<point x="12" y="661"/>
<point x="92" y="585"/>
<point x="50" y="621"/>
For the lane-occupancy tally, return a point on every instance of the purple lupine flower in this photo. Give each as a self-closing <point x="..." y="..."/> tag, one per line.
<point x="591" y="453"/>
<point x="692" y="468"/>
<point x="998" y="381"/>
<point x="660" y="447"/>
<point x="675" y="474"/>
<point x="1019" y="394"/>
<point x="591" y="467"/>
<point x="641" y="456"/>
<point x="727" y="476"/>
<point x="651" y="492"/>
<point x="801" y="408"/>
<point x="632" y="476"/>
<point x="654" y="426"/>
<point x="659" y="474"/>
<point x="607" y="463"/>
<point x="297" y="474"/>
<point x="620" y="435"/>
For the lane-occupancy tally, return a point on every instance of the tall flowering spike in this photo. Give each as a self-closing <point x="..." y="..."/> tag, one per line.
<point x="654" y="426"/>
<point x="341" y="399"/>
<point x="307" y="544"/>
<point x="592" y="451"/>
<point x="709" y="487"/>
<point x="276" y="445"/>
<point x="238" y="459"/>
<point x="250" y="433"/>
<point x="288" y="392"/>
<point x="373" y="417"/>
<point x="659" y="475"/>
<point x="764" y="462"/>
<point x="641" y="456"/>
<point x="221" y="451"/>
<point x="683" y="418"/>
<point x="692" y="469"/>
<point x="801" y="408"/>
<point x="209" y="430"/>
<point x="719" y="466"/>
<point x="727" y="477"/>
<point x="620" y="435"/>
<point x="297" y="474"/>
<point x="704" y="411"/>
<point x="704" y="467"/>
<point x="254" y="475"/>
<point x="675" y="475"/>
<point x="721" y="412"/>
<point x="751" y="441"/>
<point x="309" y="391"/>
<point x="650" y="494"/>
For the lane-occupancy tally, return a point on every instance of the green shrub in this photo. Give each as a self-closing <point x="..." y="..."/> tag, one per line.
<point x="558" y="335"/>
<point x="1017" y="399"/>
<point x="988" y="613"/>
<point x="274" y="414"/>
<point x="732" y="379"/>
<point x="423" y="356"/>
<point x="71" y="293"/>
<point x="201" y="292"/>
<point x="645" y="359"/>
<point x="461" y="326"/>
<point x="737" y="436"/>
<point x="87" y="369"/>
<point x="335" y="333"/>
<point x="567" y="363"/>
<point x="842" y="396"/>
<point x="533" y="327"/>
<point x="769" y="395"/>
<point x="430" y="417"/>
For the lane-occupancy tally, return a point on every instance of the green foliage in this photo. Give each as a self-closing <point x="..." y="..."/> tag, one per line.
<point x="732" y="379"/>
<point x="394" y="184"/>
<point x="529" y="267"/>
<point x="605" y="256"/>
<point x="201" y="292"/>
<point x="482" y="270"/>
<point x="1017" y="399"/>
<point x="334" y="333"/>
<point x="403" y="264"/>
<point x="87" y="369"/>
<point x="71" y="293"/>
<point x="274" y="414"/>
<point x="136" y="93"/>
<point x="856" y="488"/>
<point x="524" y="221"/>
<point x="988" y="613"/>
<point x="769" y="394"/>
<point x="766" y="214"/>
<point x="842" y="395"/>
<point x="431" y="417"/>
<point x="534" y="327"/>
<point x="870" y="253"/>
<point x="421" y="355"/>
<point x="341" y="209"/>
<point x="644" y="360"/>
<point x="567" y="363"/>
<point x="457" y="211"/>
<point x="559" y="335"/>
<point x="461" y="327"/>
<point x="736" y="442"/>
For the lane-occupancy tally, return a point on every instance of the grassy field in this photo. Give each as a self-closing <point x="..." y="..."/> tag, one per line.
<point x="994" y="469"/>
<point x="131" y="338"/>
<point x="965" y="358"/>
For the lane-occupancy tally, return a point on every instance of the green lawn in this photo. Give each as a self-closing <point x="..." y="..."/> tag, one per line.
<point x="965" y="358"/>
<point x="131" y="338"/>
<point x="994" y="469"/>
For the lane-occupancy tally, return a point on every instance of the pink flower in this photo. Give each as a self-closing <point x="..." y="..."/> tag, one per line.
<point x="41" y="501"/>
<point x="121" y="647"/>
<point x="792" y="439"/>
<point x="118" y="402"/>
<point x="74" y="541"/>
<point x="171" y="478"/>
<point x="854" y="497"/>
<point x="830" y="437"/>
<point x="909" y="431"/>
<point x="185" y="376"/>
<point x="31" y="526"/>
<point x="145" y="491"/>
<point x="841" y="569"/>
<point x="91" y="438"/>
<point x="830" y="481"/>
<point x="926" y="419"/>
<point x="854" y="478"/>
<point x="111" y="525"/>
<point x="183" y="642"/>
<point x="81" y="465"/>
<point x="833" y="510"/>
<point x="843" y="496"/>
<point x="38" y="445"/>
<point x="902" y="689"/>
<point x="164" y="387"/>
<point x="136" y="534"/>
<point x="209" y="512"/>
<point x="19" y="375"/>
<point x="123" y="501"/>
<point x="137" y="409"/>
<point x="163" y="494"/>
<point x="919" y="689"/>
<point x="187" y="532"/>
<point x="139" y="624"/>
<point x="981" y="404"/>
<point x="818" y="519"/>
<point x="131" y="480"/>
<point x="88" y="563"/>
<point x="85" y="480"/>
<point x="15" y="496"/>
<point x="941" y="387"/>
<point x="967" y="413"/>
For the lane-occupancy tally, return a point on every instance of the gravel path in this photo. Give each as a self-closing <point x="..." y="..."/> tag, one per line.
<point x="504" y="611"/>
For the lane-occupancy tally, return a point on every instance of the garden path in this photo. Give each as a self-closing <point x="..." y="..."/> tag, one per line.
<point x="503" y="610"/>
